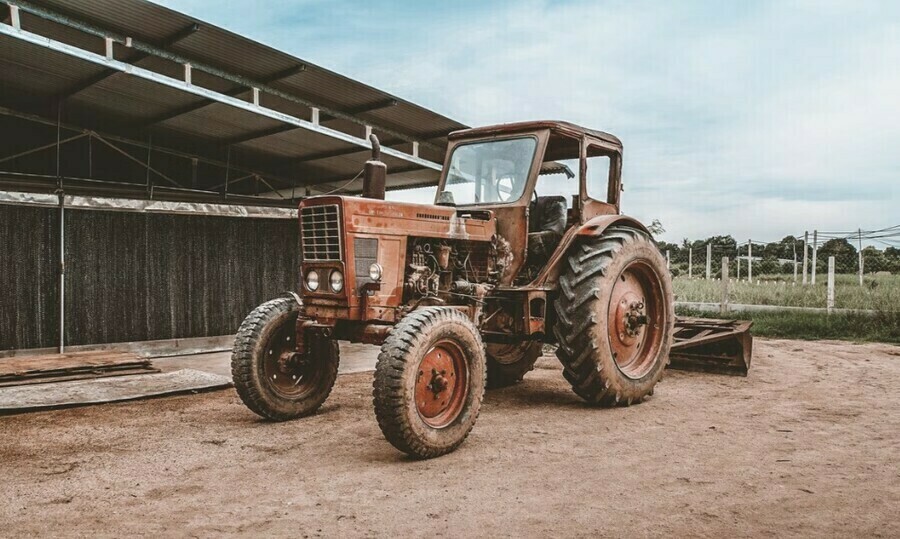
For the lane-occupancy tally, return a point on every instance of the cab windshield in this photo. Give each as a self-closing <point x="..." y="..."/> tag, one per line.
<point x="489" y="172"/>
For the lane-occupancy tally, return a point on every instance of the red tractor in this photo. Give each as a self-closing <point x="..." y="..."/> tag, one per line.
<point x="524" y="246"/>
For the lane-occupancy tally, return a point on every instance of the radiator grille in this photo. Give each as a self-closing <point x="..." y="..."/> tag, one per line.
<point x="365" y="252"/>
<point x="320" y="233"/>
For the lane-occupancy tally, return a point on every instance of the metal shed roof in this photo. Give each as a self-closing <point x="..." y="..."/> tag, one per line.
<point x="159" y="102"/>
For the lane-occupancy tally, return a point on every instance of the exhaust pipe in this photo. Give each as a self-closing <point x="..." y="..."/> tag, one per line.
<point x="375" y="175"/>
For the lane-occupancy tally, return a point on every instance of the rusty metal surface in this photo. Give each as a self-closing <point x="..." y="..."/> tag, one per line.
<point x="524" y="127"/>
<point x="715" y="346"/>
<point x="391" y="224"/>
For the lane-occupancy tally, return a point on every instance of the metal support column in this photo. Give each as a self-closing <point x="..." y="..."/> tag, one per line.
<point x="62" y="271"/>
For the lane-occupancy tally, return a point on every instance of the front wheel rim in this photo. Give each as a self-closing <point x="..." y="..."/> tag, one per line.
<point x="636" y="319"/>
<point x="442" y="384"/>
<point x="282" y="373"/>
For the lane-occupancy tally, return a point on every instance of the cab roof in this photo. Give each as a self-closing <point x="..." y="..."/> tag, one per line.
<point x="565" y="128"/>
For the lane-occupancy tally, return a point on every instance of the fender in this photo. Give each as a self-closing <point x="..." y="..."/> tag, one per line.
<point x="594" y="227"/>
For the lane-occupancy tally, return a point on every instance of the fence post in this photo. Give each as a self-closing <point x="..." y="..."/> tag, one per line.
<point x="690" y="262"/>
<point x="737" y="260"/>
<point x="668" y="262"/>
<point x="723" y="306"/>
<point x="829" y="305"/>
<point x="708" y="260"/>
<point x="815" y="245"/>
<point x="805" y="253"/>
<point x="750" y="261"/>
<point x="860" y="258"/>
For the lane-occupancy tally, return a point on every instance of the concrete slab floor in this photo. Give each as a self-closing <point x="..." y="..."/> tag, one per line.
<point x="355" y="357"/>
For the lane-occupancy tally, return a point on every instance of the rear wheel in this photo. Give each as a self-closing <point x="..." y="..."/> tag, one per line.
<point x="270" y="379"/>
<point x="615" y="317"/>
<point x="429" y="382"/>
<point x="508" y="364"/>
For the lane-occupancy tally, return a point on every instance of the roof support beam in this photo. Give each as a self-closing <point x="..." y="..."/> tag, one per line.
<point x="107" y="73"/>
<point x="325" y="155"/>
<point x="234" y="92"/>
<point x="205" y="93"/>
<point x="335" y="183"/>
<point x="262" y="133"/>
<point x="135" y="143"/>
<point x="354" y="111"/>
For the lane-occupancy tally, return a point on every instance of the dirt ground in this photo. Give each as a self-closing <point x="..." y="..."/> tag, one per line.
<point x="808" y="444"/>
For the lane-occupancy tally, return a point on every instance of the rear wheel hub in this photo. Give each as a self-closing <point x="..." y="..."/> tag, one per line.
<point x="634" y="320"/>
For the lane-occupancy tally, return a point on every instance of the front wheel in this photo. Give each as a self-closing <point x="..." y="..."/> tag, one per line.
<point x="615" y="317"/>
<point x="429" y="382"/>
<point x="269" y="378"/>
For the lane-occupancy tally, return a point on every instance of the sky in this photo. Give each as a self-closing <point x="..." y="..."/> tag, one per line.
<point x="751" y="118"/>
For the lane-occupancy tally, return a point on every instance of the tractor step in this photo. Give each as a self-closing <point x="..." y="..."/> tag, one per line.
<point x="715" y="346"/>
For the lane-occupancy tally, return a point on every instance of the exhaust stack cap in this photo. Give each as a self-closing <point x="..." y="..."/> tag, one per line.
<point x="375" y="175"/>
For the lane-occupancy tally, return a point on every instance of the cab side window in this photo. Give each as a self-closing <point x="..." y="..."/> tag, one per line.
<point x="599" y="166"/>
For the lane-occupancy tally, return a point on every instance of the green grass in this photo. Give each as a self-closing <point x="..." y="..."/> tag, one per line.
<point x="880" y="327"/>
<point x="881" y="292"/>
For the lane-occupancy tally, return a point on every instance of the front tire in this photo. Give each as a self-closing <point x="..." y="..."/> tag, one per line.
<point x="429" y="382"/>
<point x="615" y="317"/>
<point x="269" y="385"/>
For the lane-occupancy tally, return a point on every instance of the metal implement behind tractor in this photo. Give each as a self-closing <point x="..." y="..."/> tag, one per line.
<point x="715" y="346"/>
<point x="525" y="245"/>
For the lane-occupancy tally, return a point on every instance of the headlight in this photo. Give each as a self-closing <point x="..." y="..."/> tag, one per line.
<point x="312" y="280"/>
<point x="337" y="281"/>
<point x="375" y="272"/>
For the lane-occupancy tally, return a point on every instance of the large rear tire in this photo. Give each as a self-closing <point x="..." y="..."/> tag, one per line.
<point x="507" y="364"/>
<point x="429" y="382"/>
<point x="615" y="317"/>
<point x="267" y="382"/>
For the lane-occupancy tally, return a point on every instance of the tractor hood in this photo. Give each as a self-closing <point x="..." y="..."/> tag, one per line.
<point x="379" y="217"/>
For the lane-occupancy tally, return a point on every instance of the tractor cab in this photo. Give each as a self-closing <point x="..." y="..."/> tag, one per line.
<point x="553" y="175"/>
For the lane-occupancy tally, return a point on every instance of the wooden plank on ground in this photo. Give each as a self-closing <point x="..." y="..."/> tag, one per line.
<point x="20" y="399"/>
<point x="59" y="363"/>
<point x="71" y="366"/>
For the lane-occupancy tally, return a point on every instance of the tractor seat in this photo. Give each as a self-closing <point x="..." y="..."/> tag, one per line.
<point x="546" y="226"/>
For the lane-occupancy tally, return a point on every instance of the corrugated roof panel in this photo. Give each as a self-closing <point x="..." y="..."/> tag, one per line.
<point x="130" y="98"/>
<point x="220" y="122"/>
<point x="35" y="71"/>
<point x="338" y="92"/>
<point x="138" y="19"/>
<point x="294" y="143"/>
<point x="60" y="32"/>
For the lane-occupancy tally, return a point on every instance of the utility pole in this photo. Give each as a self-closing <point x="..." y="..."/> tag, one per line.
<point x="805" y="253"/>
<point x="860" y="258"/>
<point x="750" y="261"/>
<point x="794" y="245"/>
<point x="815" y="249"/>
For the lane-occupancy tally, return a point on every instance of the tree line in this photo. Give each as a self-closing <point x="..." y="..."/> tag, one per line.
<point x="778" y="257"/>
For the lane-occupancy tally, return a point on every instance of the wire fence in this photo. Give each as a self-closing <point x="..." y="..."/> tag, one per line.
<point x="856" y="270"/>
